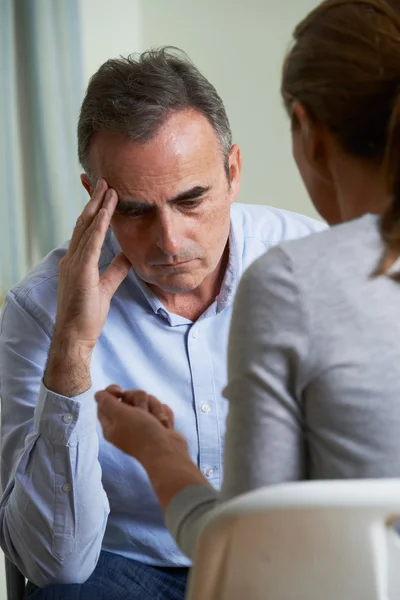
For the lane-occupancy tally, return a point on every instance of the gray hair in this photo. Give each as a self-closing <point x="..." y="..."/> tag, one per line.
<point x="135" y="95"/>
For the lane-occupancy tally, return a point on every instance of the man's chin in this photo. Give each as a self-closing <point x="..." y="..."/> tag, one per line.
<point x="175" y="283"/>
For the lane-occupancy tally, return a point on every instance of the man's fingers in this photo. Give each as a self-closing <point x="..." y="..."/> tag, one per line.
<point x="93" y="239"/>
<point x="110" y="201"/>
<point x="92" y="242"/>
<point x="115" y="274"/>
<point x="95" y="223"/>
<point x="90" y="211"/>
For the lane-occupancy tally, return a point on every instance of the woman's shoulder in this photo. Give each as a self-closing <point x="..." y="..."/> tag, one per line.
<point x="356" y="244"/>
<point x="327" y="260"/>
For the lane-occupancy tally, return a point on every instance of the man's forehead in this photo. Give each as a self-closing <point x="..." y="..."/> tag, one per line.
<point x="185" y="140"/>
<point x="159" y="187"/>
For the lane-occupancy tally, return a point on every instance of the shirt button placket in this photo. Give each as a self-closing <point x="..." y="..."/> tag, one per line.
<point x="203" y="389"/>
<point x="68" y="418"/>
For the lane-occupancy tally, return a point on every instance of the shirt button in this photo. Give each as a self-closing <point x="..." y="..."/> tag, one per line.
<point x="66" y="488"/>
<point x="68" y="418"/>
<point x="205" y="408"/>
<point x="195" y="332"/>
<point x="210" y="472"/>
<point x="163" y="313"/>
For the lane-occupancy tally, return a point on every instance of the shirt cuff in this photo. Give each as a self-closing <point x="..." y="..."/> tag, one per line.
<point x="187" y="513"/>
<point x="65" y="420"/>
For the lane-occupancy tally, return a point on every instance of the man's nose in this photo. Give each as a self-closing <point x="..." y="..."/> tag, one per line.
<point x="169" y="233"/>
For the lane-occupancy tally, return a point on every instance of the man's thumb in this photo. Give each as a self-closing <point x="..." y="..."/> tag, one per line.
<point x="115" y="274"/>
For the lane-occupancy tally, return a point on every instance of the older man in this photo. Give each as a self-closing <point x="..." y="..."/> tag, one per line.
<point x="141" y="295"/>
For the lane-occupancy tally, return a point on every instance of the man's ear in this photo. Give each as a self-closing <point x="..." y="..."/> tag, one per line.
<point x="235" y="169"/>
<point x="87" y="184"/>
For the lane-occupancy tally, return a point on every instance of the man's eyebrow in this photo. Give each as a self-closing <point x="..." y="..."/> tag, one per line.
<point x="192" y="194"/>
<point x="125" y="204"/>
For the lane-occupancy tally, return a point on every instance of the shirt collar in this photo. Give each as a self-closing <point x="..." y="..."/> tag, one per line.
<point x="232" y="275"/>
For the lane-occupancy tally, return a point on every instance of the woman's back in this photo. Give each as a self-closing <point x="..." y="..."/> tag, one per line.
<point x="320" y="360"/>
<point x="352" y="399"/>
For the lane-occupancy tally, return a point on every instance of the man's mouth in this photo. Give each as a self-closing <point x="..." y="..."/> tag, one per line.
<point x="175" y="265"/>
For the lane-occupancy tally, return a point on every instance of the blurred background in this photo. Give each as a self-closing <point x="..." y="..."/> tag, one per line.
<point x="50" y="48"/>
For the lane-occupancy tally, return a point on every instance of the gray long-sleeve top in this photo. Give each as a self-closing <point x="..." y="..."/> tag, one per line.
<point x="313" y="371"/>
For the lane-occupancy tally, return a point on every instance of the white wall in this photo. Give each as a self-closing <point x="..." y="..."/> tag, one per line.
<point x="239" y="45"/>
<point x="109" y="28"/>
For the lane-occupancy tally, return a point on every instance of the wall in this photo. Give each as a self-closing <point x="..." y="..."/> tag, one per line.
<point x="239" y="45"/>
<point x="109" y="28"/>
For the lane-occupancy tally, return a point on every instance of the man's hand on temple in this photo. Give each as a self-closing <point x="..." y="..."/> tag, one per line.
<point x="84" y="296"/>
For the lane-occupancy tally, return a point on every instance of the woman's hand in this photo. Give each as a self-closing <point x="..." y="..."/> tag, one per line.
<point x="138" y="424"/>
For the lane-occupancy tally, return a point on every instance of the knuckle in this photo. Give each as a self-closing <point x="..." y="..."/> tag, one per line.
<point x="65" y="264"/>
<point x="62" y="265"/>
<point x="79" y="222"/>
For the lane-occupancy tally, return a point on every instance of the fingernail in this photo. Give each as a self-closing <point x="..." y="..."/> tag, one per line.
<point x="98" y="185"/>
<point x="109" y="194"/>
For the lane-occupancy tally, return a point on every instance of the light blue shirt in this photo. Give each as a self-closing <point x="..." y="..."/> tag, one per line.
<point x="68" y="494"/>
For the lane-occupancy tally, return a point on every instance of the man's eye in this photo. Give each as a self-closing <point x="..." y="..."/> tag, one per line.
<point x="131" y="212"/>
<point x="188" y="204"/>
<point x="136" y="212"/>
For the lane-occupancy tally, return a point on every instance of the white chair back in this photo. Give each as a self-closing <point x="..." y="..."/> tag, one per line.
<point x="332" y="540"/>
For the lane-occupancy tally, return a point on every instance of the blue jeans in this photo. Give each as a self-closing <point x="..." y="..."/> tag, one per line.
<point x="118" y="578"/>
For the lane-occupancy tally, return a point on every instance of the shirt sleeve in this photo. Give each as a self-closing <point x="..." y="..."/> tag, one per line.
<point x="54" y="510"/>
<point x="186" y="514"/>
<point x="264" y="442"/>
